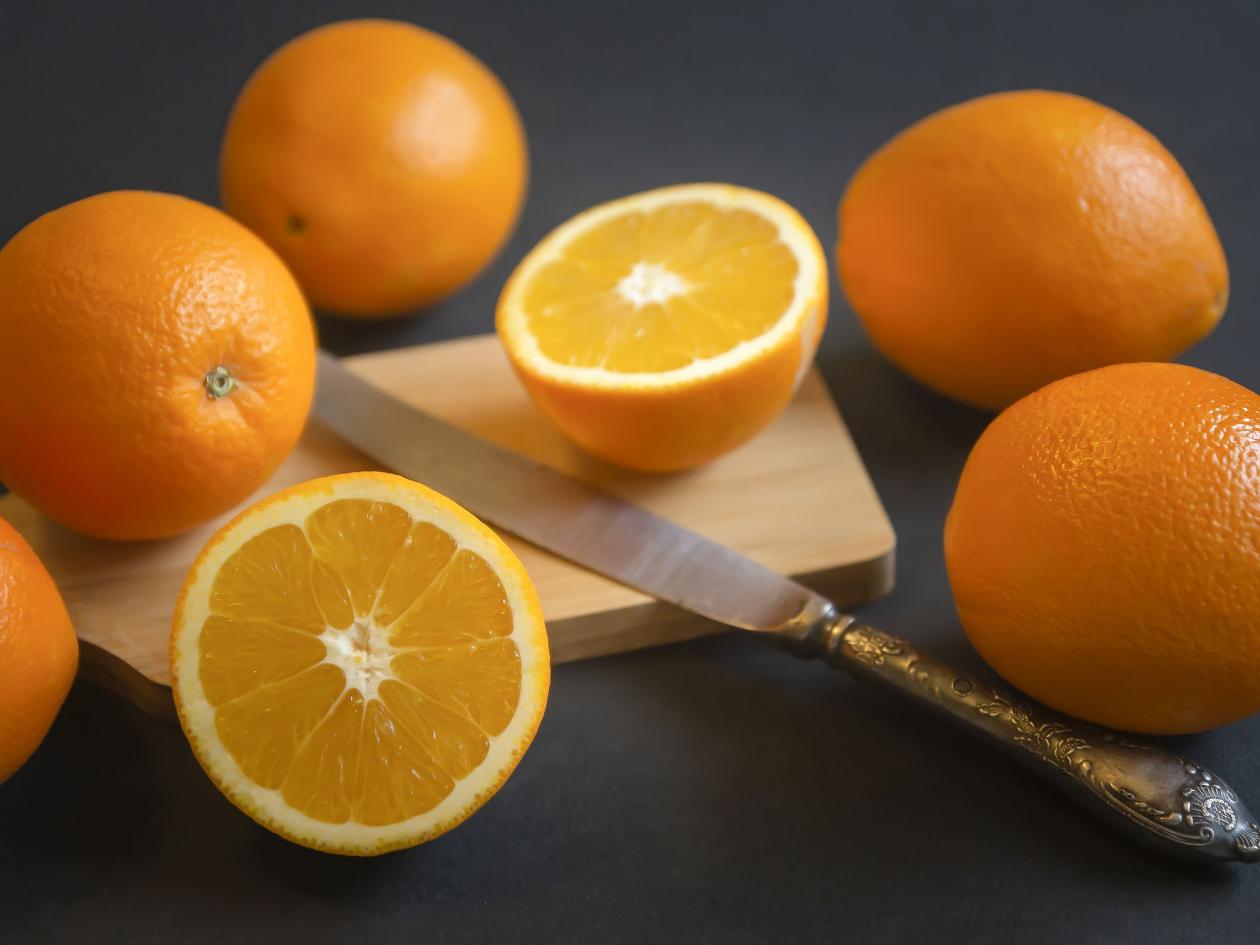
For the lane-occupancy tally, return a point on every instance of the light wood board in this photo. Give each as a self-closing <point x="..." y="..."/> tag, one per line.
<point x="797" y="498"/>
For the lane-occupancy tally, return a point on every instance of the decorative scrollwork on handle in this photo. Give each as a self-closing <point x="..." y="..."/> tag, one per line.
<point x="1207" y="805"/>
<point x="870" y="646"/>
<point x="1166" y="799"/>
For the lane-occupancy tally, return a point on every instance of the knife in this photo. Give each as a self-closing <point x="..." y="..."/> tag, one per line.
<point x="1160" y="798"/>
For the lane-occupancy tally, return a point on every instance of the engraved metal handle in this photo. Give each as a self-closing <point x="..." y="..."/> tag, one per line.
<point x="1161" y="798"/>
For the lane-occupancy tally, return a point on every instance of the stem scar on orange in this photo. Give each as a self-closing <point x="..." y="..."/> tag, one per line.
<point x="383" y="162"/>
<point x="158" y="362"/>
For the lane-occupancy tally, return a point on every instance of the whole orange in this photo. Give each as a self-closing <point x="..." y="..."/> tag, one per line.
<point x="38" y="651"/>
<point x="158" y="363"/>
<point x="386" y="164"/>
<point x="1018" y="238"/>
<point x="1104" y="547"/>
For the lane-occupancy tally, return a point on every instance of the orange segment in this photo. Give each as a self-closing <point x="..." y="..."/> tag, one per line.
<point x="239" y="656"/>
<point x="360" y="541"/>
<point x="331" y="595"/>
<point x="358" y="662"/>
<point x="456" y="743"/>
<point x="663" y="329"/>
<point x="380" y="796"/>
<point x="269" y="580"/>
<point x="321" y="781"/>
<point x="444" y="673"/>
<point x="465" y="603"/>
<point x="423" y="555"/>
<point x="263" y="729"/>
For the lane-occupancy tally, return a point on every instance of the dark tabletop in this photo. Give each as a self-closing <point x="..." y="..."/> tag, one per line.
<point x="708" y="791"/>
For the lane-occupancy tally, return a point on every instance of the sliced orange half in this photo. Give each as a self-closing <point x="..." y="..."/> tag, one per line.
<point x="663" y="329"/>
<point x="358" y="663"/>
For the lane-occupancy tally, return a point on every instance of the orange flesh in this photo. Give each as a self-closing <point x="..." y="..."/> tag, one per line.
<point x="358" y="664"/>
<point x="657" y="289"/>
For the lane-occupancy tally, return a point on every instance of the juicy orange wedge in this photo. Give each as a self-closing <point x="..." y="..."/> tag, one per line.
<point x="664" y="328"/>
<point x="358" y="663"/>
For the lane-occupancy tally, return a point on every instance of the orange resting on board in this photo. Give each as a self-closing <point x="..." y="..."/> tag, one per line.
<point x="666" y="328"/>
<point x="158" y="363"/>
<point x="1104" y="547"/>
<point x="1021" y="237"/>
<point x="386" y="164"/>
<point x="38" y="651"/>
<point x="358" y="663"/>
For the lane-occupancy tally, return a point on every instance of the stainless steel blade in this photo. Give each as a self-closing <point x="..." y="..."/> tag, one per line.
<point x="557" y="512"/>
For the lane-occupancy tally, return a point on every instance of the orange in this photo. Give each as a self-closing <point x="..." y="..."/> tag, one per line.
<point x="385" y="163"/>
<point x="358" y="663"/>
<point x="1018" y="238"/>
<point x="38" y="651"/>
<point x="1104" y="547"/>
<point x="158" y="363"/>
<point x="664" y="329"/>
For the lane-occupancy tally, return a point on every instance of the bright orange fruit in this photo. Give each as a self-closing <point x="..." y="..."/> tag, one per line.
<point x="386" y="164"/>
<point x="38" y="651"/>
<point x="1018" y="238"/>
<point x="158" y="363"/>
<point x="358" y="663"/>
<point x="665" y="328"/>
<point x="1104" y="547"/>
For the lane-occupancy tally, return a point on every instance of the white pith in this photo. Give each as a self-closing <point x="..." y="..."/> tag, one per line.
<point x="363" y="653"/>
<point x="197" y="715"/>
<point x="650" y="284"/>
<point x="798" y="318"/>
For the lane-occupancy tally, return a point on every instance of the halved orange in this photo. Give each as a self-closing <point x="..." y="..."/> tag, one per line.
<point x="663" y="329"/>
<point x="358" y="663"/>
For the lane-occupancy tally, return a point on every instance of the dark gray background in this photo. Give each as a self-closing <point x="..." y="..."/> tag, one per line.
<point x="710" y="791"/>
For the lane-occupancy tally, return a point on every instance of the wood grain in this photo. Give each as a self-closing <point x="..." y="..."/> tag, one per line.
<point x="797" y="499"/>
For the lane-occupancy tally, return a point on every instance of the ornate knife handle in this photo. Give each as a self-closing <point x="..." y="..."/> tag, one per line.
<point x="1165" y="800"/>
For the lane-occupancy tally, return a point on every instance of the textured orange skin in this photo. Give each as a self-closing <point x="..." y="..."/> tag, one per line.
<point x="401" y="154"/>
<point x="112" y="311"/>
<point x="1018" y="238"/>
<point x="38" y="651"/>
<point x="1104" y="547"/>
<point x="677" y="428"/>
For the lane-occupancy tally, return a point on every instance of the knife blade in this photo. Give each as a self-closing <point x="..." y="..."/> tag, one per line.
<point x="560" y="513"/>
<point x="1132" y="785"/>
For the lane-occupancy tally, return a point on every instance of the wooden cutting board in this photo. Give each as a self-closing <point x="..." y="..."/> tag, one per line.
<point x="796" y="498"/>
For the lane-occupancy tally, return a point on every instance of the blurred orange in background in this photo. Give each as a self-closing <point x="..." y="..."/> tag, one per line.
<point x="383" y="162"/>
<point x="1017" y="238"/>
<point x="38" y="651"/>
